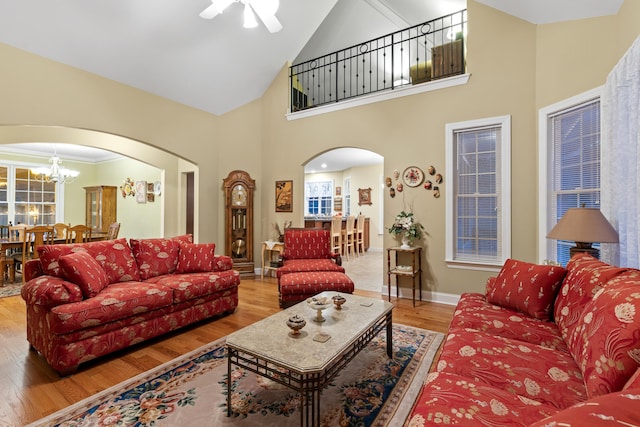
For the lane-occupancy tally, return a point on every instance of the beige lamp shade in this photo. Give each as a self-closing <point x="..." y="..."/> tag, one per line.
<point x="584" y="225"/>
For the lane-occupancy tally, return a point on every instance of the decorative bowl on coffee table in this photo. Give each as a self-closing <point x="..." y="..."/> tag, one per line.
<point x="295" y="323"/>
<point x="319" y="304"/>
<point x="338" y="300"/>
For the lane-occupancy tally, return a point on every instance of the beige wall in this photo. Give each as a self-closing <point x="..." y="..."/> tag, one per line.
<point x="514" y="71"/>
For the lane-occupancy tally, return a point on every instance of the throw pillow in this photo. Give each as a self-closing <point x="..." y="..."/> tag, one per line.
<point x="196" y="257"/>
<point x="83" y="270"/>
<point x="155" y="257"/>
<point x="614" y="409"/>
<point x="609" y="337"/>
<point x="527" y="288"/>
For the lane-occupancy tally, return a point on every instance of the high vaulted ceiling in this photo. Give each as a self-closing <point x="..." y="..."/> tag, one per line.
<point x="164" y="47"/>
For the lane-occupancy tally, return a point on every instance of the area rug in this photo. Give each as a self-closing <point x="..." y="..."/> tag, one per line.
<point x="10" y="289"/>
<point x="372" y="390"/>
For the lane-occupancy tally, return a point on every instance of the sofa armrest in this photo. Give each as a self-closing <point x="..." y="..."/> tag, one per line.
<point x="50" y="291"/>
<point x="222" y="263"/>
<point x="32" y="269"/>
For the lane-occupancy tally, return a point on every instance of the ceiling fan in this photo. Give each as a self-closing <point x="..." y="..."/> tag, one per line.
<point x="265" y="9"/>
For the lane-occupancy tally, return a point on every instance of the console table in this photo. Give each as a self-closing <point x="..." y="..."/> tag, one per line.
<point x="414" y="270"/>
<point x="269" y="248"/>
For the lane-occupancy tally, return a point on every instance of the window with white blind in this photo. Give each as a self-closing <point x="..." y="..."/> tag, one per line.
<point x="570" y="168"/>
<point x="318" y="198"/>
<point x="478" y="155"/>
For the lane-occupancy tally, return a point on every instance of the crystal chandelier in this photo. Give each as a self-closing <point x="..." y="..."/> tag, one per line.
<point x="55" y="173"/>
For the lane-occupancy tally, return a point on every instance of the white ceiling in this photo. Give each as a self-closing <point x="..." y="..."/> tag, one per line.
<point x="164" y="47"/>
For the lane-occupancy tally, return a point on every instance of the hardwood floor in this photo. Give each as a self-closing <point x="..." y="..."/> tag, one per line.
<point x="31" y="389"/>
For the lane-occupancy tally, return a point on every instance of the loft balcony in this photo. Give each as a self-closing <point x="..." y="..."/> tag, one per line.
<point x="423" y="53"/>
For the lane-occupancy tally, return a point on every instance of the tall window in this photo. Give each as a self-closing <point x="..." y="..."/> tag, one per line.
<point x="347" y="196"/>
<point x="478" y="204"/>
<point x="318" y="198"/>
<point x="26" y="198"/>
<point x="572" y="175"/>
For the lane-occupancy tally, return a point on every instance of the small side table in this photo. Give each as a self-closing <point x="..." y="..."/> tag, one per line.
<point x="414" y="270"/>
<point x="269" y="248"/>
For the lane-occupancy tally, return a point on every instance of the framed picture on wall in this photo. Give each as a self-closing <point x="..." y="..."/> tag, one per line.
<point x="141" y="191"/>
<point x="284" y="196"/>
<point x="364" y="196"/>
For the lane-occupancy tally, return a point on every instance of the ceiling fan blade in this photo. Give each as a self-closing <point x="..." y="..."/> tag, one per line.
<point x="209" y="12"/>
<point x="216" y="8"/>
<point x="267" y="17"/>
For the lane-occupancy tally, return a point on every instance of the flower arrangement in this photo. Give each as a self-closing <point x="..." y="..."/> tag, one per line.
<point x="406" y="225"/>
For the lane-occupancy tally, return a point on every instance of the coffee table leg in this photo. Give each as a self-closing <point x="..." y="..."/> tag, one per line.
<point x="389" y="336"/>
<point x="228" y="382"/>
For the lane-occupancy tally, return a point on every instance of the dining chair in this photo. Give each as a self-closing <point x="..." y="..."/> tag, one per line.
<point x="336" y="234"/>
<point x="60" y="230"/>
<point x="359" y="237"/>
<point x="348" y="236"/>
<point x="112" y="232"/>
<point x="15" y="235"/>
<point x="33" y="238"/>
<point x="79" y="234"/>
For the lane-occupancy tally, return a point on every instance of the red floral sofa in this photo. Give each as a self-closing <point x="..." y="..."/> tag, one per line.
<point x="544" y="346"/>
<point x="90" y="299"/>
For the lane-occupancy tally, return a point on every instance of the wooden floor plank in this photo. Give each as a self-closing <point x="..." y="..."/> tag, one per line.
<point x="31" y="389"/>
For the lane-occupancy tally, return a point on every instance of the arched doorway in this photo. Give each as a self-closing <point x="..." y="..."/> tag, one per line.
<point x="332" y="182"/>
<point x="173" y="170"/>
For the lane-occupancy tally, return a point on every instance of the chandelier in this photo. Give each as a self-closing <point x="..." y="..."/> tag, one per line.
<point x="55" y="173"/>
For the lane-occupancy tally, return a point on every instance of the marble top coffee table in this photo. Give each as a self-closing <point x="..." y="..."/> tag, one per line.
<point x="306" y="362"/>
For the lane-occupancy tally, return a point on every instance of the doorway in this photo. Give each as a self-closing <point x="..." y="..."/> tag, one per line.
<point x="332" y="180"/>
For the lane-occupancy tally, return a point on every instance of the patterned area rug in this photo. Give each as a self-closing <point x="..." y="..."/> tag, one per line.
<point x="10" y="289"/>
<point x="372" y="390"/>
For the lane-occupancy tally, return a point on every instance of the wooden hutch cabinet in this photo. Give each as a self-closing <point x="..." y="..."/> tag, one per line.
<point x="100" y="206"/>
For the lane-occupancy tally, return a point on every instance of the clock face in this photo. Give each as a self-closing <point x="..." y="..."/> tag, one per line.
<point x="239" y="195"/>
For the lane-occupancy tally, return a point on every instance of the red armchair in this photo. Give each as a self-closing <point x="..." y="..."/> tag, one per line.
<point x="308" y="249"/>
<point x="308" y="266"/>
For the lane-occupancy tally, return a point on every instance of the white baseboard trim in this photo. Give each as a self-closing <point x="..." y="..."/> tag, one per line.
<point x="430" y="296"/>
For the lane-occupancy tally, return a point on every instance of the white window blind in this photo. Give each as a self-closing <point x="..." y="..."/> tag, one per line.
<point x="575" y="162"/>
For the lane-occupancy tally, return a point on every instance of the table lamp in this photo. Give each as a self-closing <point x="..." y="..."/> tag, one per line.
<point x="584" y="226"/>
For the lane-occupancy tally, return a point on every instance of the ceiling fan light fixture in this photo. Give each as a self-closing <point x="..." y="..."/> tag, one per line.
<point x="249" y="17"/>
<point x="216" y="8"/>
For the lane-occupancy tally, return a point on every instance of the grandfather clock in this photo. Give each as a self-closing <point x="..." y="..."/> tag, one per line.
<point x="238" y="191"/>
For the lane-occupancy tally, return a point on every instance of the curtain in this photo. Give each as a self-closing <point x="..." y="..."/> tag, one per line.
<point x="620" y="166"/>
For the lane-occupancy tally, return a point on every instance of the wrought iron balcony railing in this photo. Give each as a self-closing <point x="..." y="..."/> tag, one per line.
<point x="425" y="52"/>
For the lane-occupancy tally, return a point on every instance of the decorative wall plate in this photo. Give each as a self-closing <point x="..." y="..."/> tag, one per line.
<point x="413" y="176"/>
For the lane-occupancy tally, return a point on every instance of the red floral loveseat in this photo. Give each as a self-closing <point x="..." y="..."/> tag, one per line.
<point x="90" y="299"/>
<point x="520" y="356"/>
